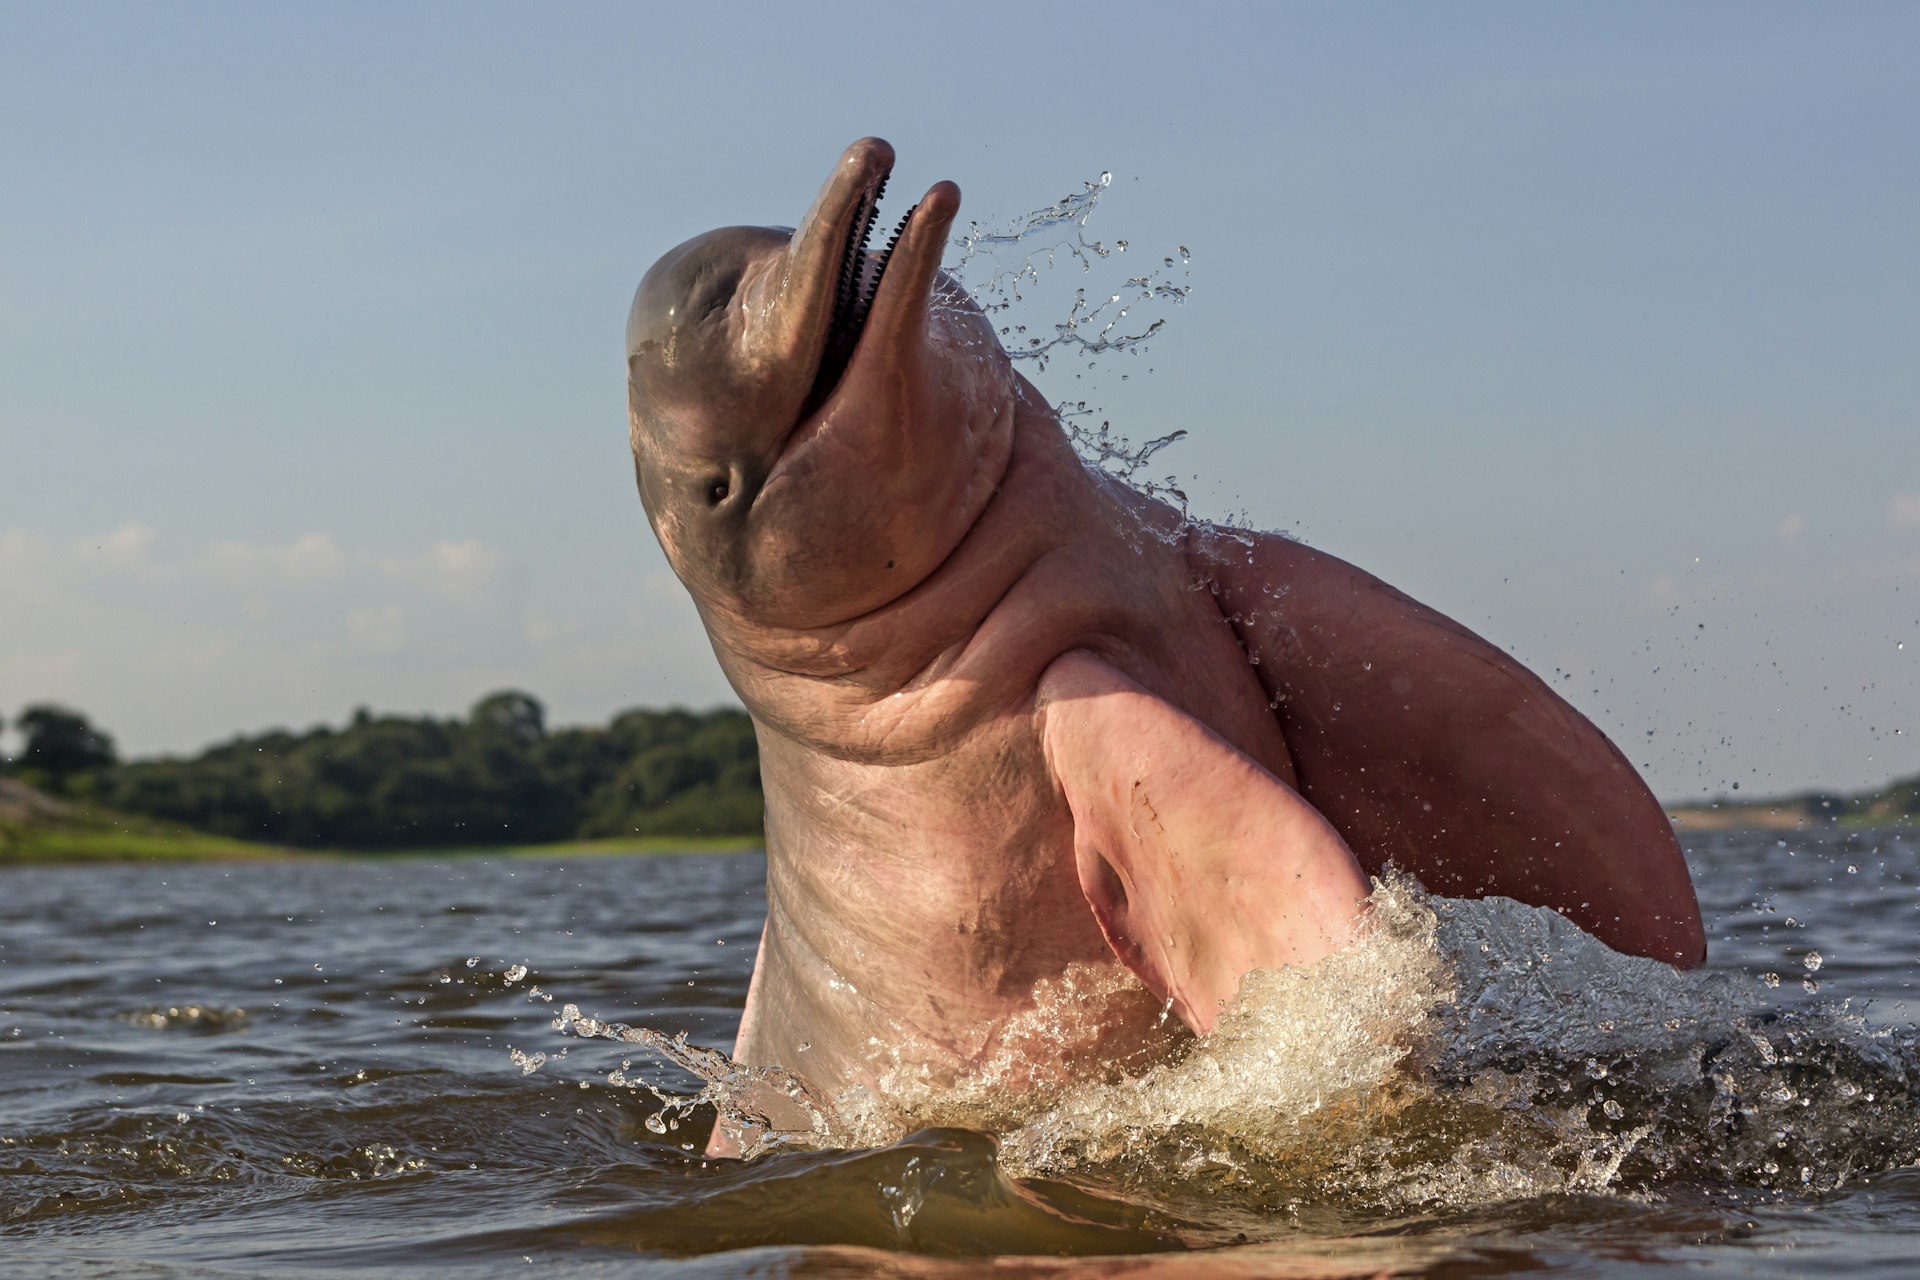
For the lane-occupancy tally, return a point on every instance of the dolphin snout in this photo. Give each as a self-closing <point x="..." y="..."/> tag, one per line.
<point x="868" y="158"/>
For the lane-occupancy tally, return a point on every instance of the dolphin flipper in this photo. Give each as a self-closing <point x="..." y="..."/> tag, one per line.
<point x="1428" y="747"/>
<point x="1199" y="864"/>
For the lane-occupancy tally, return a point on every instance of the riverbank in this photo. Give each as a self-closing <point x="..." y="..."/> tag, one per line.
<point x="36" y="828"/>
<point x="1745" y="818"/>
<point x="39" y="828"/>
<point x="1894" y="806"/>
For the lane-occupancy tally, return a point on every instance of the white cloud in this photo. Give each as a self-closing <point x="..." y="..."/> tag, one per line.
<point x="458" y="570"/>
<point x="1904" y="511"/>
<point x="131" y="618"/>
<point x="169" y="644"/>
<point x="23" y="558"/>
<point x="543" y="632"/>
<point x="308" y="560"/>
<point x="128" y="544"/>
<point x="378" y="630"/>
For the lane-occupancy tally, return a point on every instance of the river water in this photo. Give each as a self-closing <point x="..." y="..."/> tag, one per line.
<point x="339" y="1067"/>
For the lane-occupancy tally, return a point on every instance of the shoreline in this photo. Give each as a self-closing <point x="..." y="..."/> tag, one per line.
<point x="59" y="833"/>
<point x="67" y="853"/>
<point x="1781" y="818"/>
<point x="37" y="829"/>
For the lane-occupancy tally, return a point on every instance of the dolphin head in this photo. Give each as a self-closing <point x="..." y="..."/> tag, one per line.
<point x="812" y="433"/>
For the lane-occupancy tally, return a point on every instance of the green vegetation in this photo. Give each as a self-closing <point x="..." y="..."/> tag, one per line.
<point x="35" y="827"/>
<point x="497" y="779"/>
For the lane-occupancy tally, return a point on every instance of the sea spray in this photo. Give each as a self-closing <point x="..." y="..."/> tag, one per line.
<point x="1312" y="1050"/>
<point x="1295" y="1046"/>
<point x="1118" y="305"/>
<point x="758" y="1108"/>
<point x="1460" y="1053"/>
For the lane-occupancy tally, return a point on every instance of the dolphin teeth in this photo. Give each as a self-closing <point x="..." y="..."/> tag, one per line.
<point x="846" y="295"/>
<point x="852" y="297"/>
<point x="885" y="256"/>
<point x="847" y="286"/>
<point x="899" y="230"/>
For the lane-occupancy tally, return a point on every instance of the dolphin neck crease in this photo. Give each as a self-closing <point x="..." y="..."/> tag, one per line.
<point x="912" y="677"/>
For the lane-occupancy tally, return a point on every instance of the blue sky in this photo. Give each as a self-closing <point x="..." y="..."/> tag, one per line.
<point x="1591" y="326"/>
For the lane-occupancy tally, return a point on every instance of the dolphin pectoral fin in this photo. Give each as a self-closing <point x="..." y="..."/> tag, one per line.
<point x="1199" y="864"/>
<point x="1428" y="747"/>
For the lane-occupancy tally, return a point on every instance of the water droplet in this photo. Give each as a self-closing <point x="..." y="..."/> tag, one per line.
<point x="515" y="973"/>
<point x="472" y="961"/>
<point x="1771" y="979"/>
<point x="1813" y="960"/>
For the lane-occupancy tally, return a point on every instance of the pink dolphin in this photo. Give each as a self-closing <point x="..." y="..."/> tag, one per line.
<point x="1006" y="713"/>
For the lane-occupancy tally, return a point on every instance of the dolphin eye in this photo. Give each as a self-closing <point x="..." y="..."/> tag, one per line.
<point x="717" y="492"/>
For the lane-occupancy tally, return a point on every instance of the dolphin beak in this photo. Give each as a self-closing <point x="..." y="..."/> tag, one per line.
<point x="822" y="246"/>
<point x="900" y="303"/>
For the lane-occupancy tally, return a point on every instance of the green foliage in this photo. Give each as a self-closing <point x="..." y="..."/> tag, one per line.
<point x="60" y="746"/>
<point x="496" y="778"/>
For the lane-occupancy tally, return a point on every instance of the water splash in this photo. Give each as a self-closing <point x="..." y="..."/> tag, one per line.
<point x="206" y="1019"/>
<point x="1007" y="271"/>
<point x="1001" y="268"/>
<point x="1462" y="1053"/>
<point x="1302" y="1056"/>
<point x="760" y="1108"/>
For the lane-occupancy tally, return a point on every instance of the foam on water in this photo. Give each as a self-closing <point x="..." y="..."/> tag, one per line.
<point x="1462" y="1053"/>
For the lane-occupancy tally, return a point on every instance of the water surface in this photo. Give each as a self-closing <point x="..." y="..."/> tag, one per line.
<point x="310" y="1068"/>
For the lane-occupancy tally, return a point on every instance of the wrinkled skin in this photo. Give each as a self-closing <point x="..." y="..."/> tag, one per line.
<point x="1006" y="713"/>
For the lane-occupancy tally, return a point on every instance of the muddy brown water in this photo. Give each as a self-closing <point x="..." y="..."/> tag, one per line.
<point x="307" y="1069"/>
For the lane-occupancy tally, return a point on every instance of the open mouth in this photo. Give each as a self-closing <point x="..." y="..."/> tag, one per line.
<point x="858" y="282"/>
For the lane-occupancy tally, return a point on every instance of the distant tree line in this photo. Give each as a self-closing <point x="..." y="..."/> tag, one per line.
<point x="499" y="776"/>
